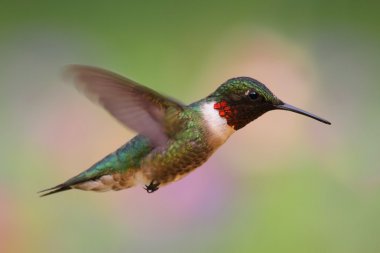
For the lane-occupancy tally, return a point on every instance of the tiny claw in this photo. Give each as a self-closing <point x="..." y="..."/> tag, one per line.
<point x="152" y="187"/>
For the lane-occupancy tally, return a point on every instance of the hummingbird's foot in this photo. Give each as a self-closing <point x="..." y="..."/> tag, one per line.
<point x="152" y="187"/>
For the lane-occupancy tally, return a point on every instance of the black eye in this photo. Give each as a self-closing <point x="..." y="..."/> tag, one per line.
<point x="253" y="95"/>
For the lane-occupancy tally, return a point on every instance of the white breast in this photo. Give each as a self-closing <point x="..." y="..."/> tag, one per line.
<point x="217" y="126"/>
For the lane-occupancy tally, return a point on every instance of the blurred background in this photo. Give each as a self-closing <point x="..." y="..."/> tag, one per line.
<point x="284" y="183"/>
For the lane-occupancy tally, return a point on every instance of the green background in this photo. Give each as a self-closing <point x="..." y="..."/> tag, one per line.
<point x="284" y="183"/>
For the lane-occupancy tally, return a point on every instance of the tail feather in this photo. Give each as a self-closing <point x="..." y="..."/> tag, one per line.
<point x="55" y="189"/>
<point x="88" y="175"/>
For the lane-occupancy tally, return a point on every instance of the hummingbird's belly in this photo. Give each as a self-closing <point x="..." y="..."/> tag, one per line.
<point x="173" y="164"/>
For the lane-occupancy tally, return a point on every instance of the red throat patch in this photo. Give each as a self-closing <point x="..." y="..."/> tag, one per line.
<point x="225" y="111"/>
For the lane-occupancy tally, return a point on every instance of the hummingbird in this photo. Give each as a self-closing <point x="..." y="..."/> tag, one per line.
<point x="173" y="138"/>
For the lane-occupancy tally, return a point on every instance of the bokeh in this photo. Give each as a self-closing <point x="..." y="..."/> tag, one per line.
<point x="284" y="183"/>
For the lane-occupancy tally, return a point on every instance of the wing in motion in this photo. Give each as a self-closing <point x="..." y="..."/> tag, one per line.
<point x="135" y="106"/>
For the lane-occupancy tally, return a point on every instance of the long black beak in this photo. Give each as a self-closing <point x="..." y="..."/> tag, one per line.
<point x="291" y="108"/>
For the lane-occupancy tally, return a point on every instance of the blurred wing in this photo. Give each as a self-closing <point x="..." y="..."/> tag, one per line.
<point x="137" y="107"/>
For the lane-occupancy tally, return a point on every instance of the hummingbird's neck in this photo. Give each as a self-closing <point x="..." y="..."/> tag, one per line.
<point x="216" y="122"/>
<point x="224" y="111"/>
<point x="228" y="112"/>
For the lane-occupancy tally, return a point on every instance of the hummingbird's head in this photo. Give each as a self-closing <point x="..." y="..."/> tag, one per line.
<point x="243" y="99"/>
